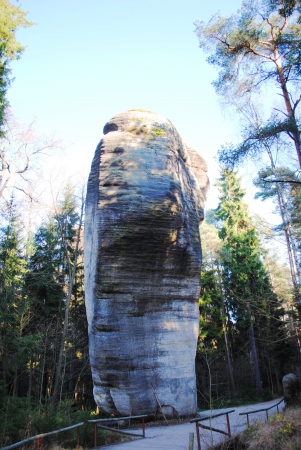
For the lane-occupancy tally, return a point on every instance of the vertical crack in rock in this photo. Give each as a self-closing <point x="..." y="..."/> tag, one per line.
<point x="145" y="200"/>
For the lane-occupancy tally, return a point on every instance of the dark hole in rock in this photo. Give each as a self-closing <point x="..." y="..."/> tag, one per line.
<point x="118" y="150"/>
<point x="109" y="127"/>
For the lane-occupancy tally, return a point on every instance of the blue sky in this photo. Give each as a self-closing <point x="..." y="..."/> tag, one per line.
<point x="88" y="60"/>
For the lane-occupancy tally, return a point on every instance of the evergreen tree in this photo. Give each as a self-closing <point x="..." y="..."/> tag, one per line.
<point x="245" y="305"/>
<point x="13" y="304"/>
<point x="55" y="286"/>
<point x="287" y="197"/>
<point x="249" y="298"/>
<point x="211" y="300"/>
<point x="214" y="349"/>
<point x="11" y="18"/>
<point x="69" y="223"/>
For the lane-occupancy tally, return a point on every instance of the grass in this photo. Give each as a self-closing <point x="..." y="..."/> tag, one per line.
<point x="282" y="432"/>
<point x="21" y="419"/>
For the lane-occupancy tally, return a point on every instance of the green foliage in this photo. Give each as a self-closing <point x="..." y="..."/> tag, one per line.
<point x="240" y="314"/>
<point x="211" y="299"/>
<point x="210" y="302"/>
<point x="283" y="186"/>
<point x="285" y="8"/>
<point x="50" y="276"/>
<point x="14" y="304"/>
<point x="281" y="432"/>
<point x="48" y="266"/>
<point x="260" y="46"/>
<point x="21" y="418"/>
<point x="256" y="140"/>
<point x="11" y="18"/>
<point x="33" y="292"/>
<point x="244" y="277"/>
<point x="45" y="277"/>
<point x="15" y="414"/>
<point x="158" y="131"/>
<point x="246" y="41"/>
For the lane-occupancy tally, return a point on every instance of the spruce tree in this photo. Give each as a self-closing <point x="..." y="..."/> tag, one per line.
<point x="248" y="293"/>
<point x="55" y="286"/>
<point x="13" y="304"/>
<point x="214" y="330"/>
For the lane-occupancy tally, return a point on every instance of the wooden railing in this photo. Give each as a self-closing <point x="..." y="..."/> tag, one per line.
<point x="260" y="410"/>
<point x="113" y="421"/>
<point x="38" y="437"/>
<point x="96" y="423"/>
<point x="200" y="419"/>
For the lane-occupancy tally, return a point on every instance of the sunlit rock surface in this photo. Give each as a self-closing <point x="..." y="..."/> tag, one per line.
<point x="145" y="201"/>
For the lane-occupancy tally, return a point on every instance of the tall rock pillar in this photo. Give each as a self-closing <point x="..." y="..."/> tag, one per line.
<point x="145" y="200"/>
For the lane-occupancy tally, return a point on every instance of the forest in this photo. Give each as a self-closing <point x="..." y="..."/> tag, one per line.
<point x="250" y="299"/>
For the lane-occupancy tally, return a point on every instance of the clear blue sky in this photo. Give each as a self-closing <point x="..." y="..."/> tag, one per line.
<point x="87" y="60"/>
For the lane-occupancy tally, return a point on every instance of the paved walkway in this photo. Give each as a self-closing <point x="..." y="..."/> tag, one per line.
<point x="176" y="437"/>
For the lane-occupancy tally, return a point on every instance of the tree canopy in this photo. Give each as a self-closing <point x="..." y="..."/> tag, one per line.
<point x="243" y="323"/>
<point x="11" y="18"/>
<point x="258" y="46"/>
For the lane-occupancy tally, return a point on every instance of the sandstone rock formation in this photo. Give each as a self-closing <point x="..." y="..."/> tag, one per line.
<point x="145" y="201"/>
<point x="291" y="389"/>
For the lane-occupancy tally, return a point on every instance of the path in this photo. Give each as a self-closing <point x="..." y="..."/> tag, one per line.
<point x="176" y="437"/>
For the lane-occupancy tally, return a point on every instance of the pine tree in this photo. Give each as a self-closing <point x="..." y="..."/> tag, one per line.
<point x="256" y="48"/>
<point x="287" y="195"/>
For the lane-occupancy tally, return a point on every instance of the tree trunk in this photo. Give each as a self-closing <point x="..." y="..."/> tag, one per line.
<point x="287" y="226"/>
<point x="230" y="368"/>
<point x="290" y="240"/>
<point x="30" y="379"/>
<point x="255" y="360"/>
<point x="294" y="133"/>
<point x="253" y="345"/>
<point x="224" y="323"/>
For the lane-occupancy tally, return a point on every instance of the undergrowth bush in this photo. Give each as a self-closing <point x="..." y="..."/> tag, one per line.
<point x="20" y="419"/>
<point x="282" y="432"/>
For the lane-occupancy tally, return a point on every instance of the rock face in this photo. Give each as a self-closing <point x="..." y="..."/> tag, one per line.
<point x="291" y="389"/>
<point x="145" y="201"/>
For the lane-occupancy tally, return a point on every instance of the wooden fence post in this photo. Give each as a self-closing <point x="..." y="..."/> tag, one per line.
<point x="198" y="435"/>
<point x="191" y="440"/>
<point x="77" y="438"/>
<point x="95" y="434"/>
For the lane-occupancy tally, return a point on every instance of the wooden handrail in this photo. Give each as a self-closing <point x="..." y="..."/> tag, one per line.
<point x="39" y="436"/>
<point x="114" y="419"/>
<point x="119" y="431"/>
<point x="200" y="419"/>
<point x="78" y="425"/>
<point x="263" y="409"/>
<point x="260" y="410"/>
